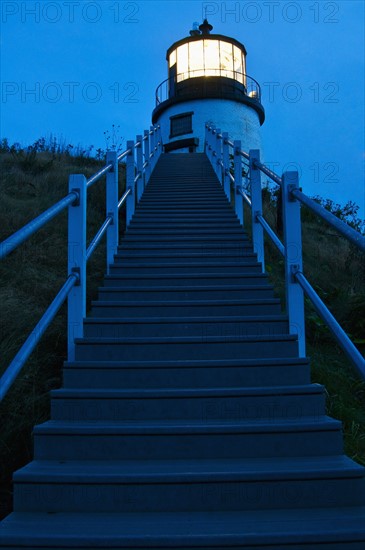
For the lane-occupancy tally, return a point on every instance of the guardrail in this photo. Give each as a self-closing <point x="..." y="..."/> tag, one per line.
<point x="217" y="147"/>
<point x="140" y="157"/>
<point x="170" y="87"/>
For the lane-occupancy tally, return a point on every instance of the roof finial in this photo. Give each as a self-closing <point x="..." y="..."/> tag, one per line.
<point x="205" y="27"/>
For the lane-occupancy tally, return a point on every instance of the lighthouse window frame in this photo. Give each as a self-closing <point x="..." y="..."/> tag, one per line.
<point x="181" y="124"/>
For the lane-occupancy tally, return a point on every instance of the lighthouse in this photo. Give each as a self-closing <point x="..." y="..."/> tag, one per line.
<point x="207" y="82"/>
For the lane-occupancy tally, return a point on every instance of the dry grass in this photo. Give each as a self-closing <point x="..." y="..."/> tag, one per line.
<point x="30" y="278"/>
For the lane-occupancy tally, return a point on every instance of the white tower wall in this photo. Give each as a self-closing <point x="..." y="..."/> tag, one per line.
<point x="239" y="120"/>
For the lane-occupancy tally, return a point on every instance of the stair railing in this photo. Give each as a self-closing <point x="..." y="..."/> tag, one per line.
<point x="140" y="158"/>
<point x="218" y="147"/>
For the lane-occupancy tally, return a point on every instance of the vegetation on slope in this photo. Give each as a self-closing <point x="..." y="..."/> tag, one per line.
<point x="35" y="179"/>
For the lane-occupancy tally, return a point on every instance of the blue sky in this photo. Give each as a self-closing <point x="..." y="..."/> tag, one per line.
<point x="75" y="68"/>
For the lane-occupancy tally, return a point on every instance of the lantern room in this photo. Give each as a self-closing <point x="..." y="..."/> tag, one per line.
<point x="203" y="68"/>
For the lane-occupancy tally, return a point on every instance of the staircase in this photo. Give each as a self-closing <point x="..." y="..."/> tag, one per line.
<point x="187" y="419"/>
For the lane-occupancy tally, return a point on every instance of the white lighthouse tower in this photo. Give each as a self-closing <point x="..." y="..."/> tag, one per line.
<point x="207" y="82"/>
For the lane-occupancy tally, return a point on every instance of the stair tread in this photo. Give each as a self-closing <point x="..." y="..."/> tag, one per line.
<point x="197" y="288"/>
<point x="186" y="302"/>
<point x="189" y="363"/>
<point x="169" y="529"/>
<point x="190" y="276"/>
<point x="184" y="320"/>
<point x="276" y="391"/>
<point x="277" y="468"/>
<point x="86" y="340"/>
<point x="319" y="423"/>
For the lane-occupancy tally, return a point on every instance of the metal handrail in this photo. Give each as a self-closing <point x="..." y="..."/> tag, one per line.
<point x="347" y="231"/>
<point x="17" y="238"/>
<point x="96" y="177"/>
<point x="244" y="195"/>
<point x="344" y="341"/>
<point x="277" y="179"/>
<point x="94" y="243"/>
<point x="20" y="358"/>
<point x="275" y="239"/>
<point x="123" y="197"/>
<point x="124" y="154"/>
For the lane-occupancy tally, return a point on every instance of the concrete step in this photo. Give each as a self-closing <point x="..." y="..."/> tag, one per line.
<point x="182" y="280"/>
<point x="201" y="404"/>
<point x="179" y="241"/>
<point x="199" y="347"/>
<point x="288" y="528"/>
<point x="146" y="294"/>
<point x="174" y="440"/>
<point x="194" y="485"/>
<point x="194" y="225"/>
<point x="185" y="326"/>
<point x="208" y="267"/>
<point x="172" y="308"/>
<point x="232" y="373"/>
<point x="182" y="256"/>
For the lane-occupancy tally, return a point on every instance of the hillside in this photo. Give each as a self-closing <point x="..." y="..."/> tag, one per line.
<point x="31" y="276"/>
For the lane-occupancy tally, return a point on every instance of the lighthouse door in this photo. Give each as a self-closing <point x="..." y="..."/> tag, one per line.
<point x="172" y="80"/>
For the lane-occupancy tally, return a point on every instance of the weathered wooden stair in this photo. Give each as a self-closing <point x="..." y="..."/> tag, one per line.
<point x="187" y="419"/>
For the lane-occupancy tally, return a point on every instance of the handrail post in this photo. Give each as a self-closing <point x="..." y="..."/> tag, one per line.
<point x="225" y="158"/>
<point x="293" y="259"/>
<point x="256" y="209"/>
<point x="139" y="155"/>
<point x="112" y="233"/>
<point x="147" y="157"/>
<point x="206" y="138"/>
<point x="211" y="145"/>
<point x="77" y="261"/>
<point x="218" y="150"/>
<point x="152" y="147"/>
<point x="238" y="199"/>
<point x="131" y="199"/>
<point x="159" y="141"/>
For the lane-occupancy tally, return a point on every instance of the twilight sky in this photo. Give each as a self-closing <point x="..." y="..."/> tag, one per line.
<point x="75" y="68"/>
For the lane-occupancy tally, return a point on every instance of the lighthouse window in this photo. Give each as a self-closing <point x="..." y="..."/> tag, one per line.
<point x="183" y="61"/>
<point x="226" y="59"/>
<point x="208" y="57"/>
<point x="196" y="59"/>
<point x="237" y="64"/>
<point x="181" y="124"/>
<point x="211" y="57"/>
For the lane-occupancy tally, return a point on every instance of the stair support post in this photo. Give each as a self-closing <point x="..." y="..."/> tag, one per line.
<point x="130" y="174"/>
<point x="293" y="259"/>
<point x="159" y="141"/>
<point x="218" y="150"/>
<point x="112" y="232"/>
<point x="147" y="159"/>
<point x="211" y="146"/>
<point x="152" y="147"/>
<point x="238" y="199"/>
<point x="76" y="304"/>
<point x="256" y="207"/>
<point x="225" y="158"/>
<point x="206" y="138"/>
<point x="139" y="155"/>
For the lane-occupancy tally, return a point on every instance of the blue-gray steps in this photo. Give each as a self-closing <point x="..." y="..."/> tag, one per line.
<point x="187" y="419"/>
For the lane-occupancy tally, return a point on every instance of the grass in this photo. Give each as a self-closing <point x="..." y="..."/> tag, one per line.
<point x="29" y="280"/>
<point x="30" y="277"/>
